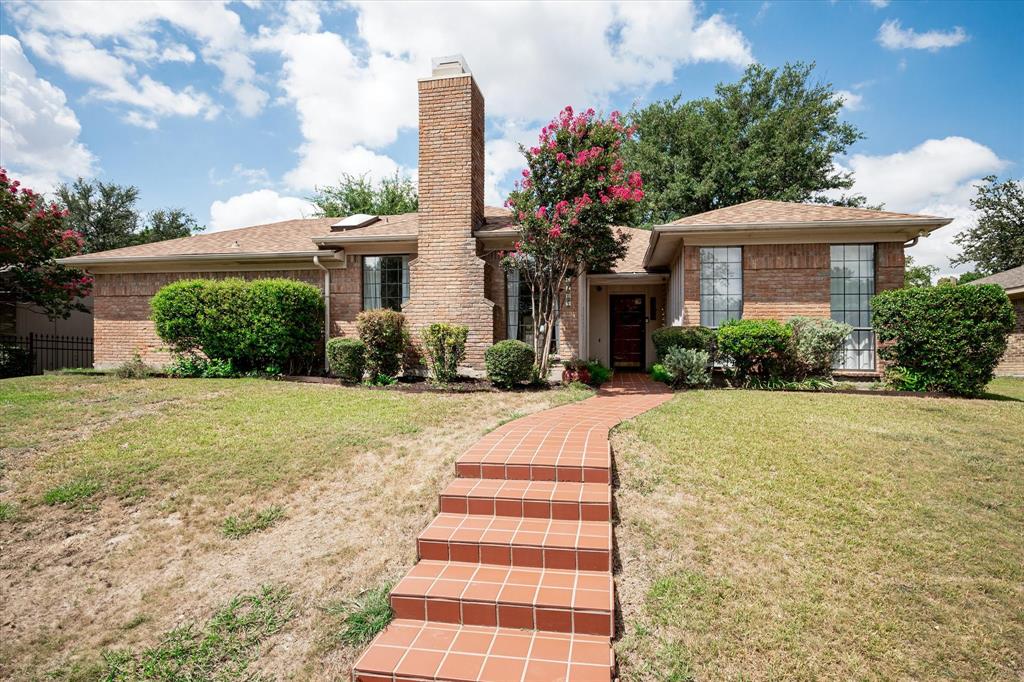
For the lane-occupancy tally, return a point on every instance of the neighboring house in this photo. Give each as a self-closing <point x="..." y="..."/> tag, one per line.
<point x="762" y="259"/>
<point x="1012" y="281"/>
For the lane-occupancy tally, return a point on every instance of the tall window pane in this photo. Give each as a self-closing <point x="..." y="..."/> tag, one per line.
<point x="721" y="284"/>
<point x="520" y="310"/>
<point x="852" y="286"/>
<point x="385" y="282"/>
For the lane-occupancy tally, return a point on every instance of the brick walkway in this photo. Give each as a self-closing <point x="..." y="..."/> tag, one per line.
<point x="515" y="574"/>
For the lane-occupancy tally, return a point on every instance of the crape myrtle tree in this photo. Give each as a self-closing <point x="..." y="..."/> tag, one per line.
<point x="33" y="236"/>
<point x="574" y="189"/>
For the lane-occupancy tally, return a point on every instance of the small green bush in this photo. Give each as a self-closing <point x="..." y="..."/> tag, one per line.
<point x="196" y="366"/>
<point x="687" y="367"/>
<point x="816" y="343"/>
<point x="599" y="374"/>
<point x="261" y="325"/>
<point x="346" y="358"/>
<point x="383" y="333"/>
<point x="509" y="363"/>
<point x="14" y="361"/>
<point x="659" y="373"/>
<point x="444" y="346"/>
<point x="947" y="338"/>
<point x="133" y="369"/>
<point x="697" y="338"/>
<point x="756" y="348"/>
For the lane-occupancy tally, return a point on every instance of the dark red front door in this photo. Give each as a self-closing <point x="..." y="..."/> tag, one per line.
<point x="627" y="318"/>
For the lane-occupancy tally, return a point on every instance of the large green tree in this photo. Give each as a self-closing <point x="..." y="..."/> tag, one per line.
<point x="771" y="135"/>
<point x="104" y="213"/>
<point x="996" y="243"/>
<point x="358" y="194"/>
<point x="915" y="275"/>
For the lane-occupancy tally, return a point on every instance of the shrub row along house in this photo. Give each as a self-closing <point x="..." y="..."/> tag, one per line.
<point x="758" y="260"/>
<point x="1012" y="281"/>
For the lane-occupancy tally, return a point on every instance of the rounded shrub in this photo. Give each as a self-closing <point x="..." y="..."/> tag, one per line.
<point x="346" y="358"/>
<point x="756" y="348"/>
<point x="687" y="367"/>
<point x="259" y="325"/>
<point x="385" y="337"/>
<point x="816" y="343"/>
<point x="697" y="338"/>
<point x="14" y="361"/>
<point x="444" y="346"/>
<point x="945" y="338"/>
<point x="509" y="363"/>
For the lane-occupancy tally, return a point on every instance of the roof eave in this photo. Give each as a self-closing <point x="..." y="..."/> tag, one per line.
<point x="79" y="261"/>
<point x="341" y="240"/>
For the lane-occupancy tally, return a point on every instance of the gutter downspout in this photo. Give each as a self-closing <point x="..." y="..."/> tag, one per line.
<point x="327" y="306"/>
<point x="911" y="243"/>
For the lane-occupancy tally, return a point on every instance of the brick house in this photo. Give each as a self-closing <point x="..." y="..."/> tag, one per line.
<point x="1012" y="362"/>
<point x="761" y="259"/>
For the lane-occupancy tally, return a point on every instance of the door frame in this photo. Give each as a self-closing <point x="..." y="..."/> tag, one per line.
<point x="643" y="332"/>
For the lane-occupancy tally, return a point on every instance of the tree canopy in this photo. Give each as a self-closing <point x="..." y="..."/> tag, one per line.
<point x="358" y="194"/>
<point x="104" y="213"/>
<point x="918" y="275"/>
<point x="32" y="237"/>
<point x="771" y="135"/>
<point x="996" y="243"/>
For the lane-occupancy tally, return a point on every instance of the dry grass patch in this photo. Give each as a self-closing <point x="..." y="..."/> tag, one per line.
<point x="805" y="537"/>
<point x="357" y="472"/>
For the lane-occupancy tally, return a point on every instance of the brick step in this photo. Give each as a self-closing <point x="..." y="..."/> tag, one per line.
<point x="506" y="596"/>
<point x="533" y="499"/>
<point x="417" y="650"/>
<point x="538" y="454"/>
<point x="509" y="541"/>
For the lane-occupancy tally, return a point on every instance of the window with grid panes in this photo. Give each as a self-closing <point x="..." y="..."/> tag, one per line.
<point x="721" y="284"/>
<point x="385" y="282"/>
<point x="852" y="286"/>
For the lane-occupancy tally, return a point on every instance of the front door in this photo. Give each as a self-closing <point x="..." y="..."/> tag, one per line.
<point x="627" y="334"/>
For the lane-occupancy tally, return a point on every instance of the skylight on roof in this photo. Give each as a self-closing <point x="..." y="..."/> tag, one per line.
<point x="356" y="220"/>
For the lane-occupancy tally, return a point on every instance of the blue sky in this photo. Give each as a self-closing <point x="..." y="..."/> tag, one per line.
<point x="236" y="110"/>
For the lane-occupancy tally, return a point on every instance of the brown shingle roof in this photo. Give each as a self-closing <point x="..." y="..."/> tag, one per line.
<point x="764" y="212"/>
<point x="1007" y="279"/>
<point x="289" y="236"/>
<point x="635" y="250"/>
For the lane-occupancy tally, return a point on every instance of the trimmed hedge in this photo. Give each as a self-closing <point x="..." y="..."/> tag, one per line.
<point x="696" y="338"/>
<point x="946" y="338"/>
<point x="444" y="346"/>
<point x="509" y="363"/>
<point x="15" y="361"/>
<point x="346" y="358"/>
<point x="264" y="325"/>
<point x="384" y="333"/>
<point x="757" y="348"/>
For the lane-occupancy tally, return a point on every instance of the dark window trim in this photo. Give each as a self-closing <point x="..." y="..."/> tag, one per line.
<point x="701" y="280"/>
<point x="870" y="330"/>
<point x="362" y="279"/>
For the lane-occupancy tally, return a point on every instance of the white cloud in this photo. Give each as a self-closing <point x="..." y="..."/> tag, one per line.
<point x="893" y="37"/>
<point x="879" y="3"/>
<point x="136" y="30"/>
<point x="257" y="208"/>
<point x="38" y="132"/>
<point x="354" y="96"/>
<point x="851" y="100"/>
<point x="141" y="120"/>
<point x="936" y="177"/>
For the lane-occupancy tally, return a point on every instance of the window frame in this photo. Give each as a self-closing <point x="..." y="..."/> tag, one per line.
<point x="514" y="299"/>
<point x="858" y="353"/>
<point x="366" y="294"/>
<point x="733" y="256"/>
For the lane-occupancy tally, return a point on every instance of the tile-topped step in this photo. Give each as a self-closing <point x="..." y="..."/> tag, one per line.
<point x="533" y="499"/>
<point x="534" y="598"/>
<point x="419" y="650"/>
<point x="509" y="541"/>
<point x="528" y="453"/>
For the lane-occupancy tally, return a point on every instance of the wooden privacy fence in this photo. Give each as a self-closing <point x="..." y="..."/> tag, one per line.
<point x="49" y="351"/>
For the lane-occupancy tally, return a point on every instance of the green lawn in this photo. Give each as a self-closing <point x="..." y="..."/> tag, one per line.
<point x="129" y="508"/>
<point x="802" y="536"/>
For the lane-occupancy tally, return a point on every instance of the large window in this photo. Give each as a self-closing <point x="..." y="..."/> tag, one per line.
<point x="385" y="282"/>
<point x="520" y="310"/>
<point x="853" y="285"/>
<point x="721" y="284"/>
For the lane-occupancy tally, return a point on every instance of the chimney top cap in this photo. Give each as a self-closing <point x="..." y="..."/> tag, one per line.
<point x="452" y="65"/>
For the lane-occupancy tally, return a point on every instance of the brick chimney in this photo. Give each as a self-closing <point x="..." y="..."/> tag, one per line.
<point x="447" y="277"/>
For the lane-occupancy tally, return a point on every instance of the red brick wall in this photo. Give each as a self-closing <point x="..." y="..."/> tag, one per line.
<point x="122" y="324"/>
<point x="448" y="277"/>
<point x="784" y="280"/>
<point x="1012" y="362"/>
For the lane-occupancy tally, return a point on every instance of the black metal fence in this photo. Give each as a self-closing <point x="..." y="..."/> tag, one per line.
<point x="48" y="351"/>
